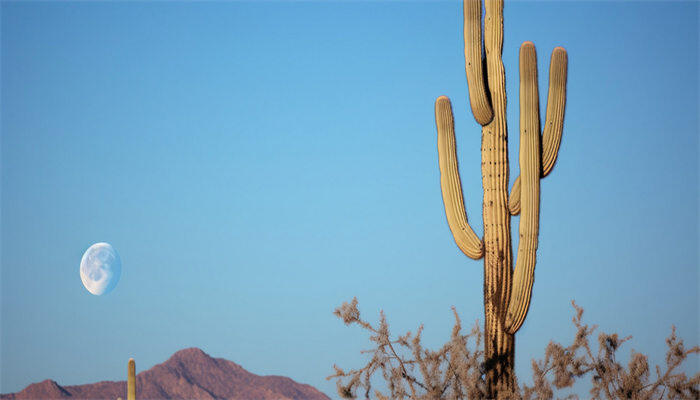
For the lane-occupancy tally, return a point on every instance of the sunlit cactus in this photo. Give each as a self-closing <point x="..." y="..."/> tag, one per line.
<point x="131" y="380"/>
<point x="507" y="290"/>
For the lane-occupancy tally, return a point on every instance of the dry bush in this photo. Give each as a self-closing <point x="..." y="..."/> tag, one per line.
<point x="456" y="371"/>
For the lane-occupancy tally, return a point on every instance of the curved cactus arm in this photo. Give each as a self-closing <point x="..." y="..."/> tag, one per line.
<point x="450" y="182"/>
<point x="514" y="199"/>
<point x="481" y="106"/>
<point x="530" y="169"/>
<point x="554" y="123"/>
<point x="556" y="102"/>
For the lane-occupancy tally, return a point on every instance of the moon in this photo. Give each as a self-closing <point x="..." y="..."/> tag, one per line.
<point x="100" y="268"/>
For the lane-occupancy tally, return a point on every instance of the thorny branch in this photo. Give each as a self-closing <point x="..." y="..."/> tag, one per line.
<point x="456" y="372"/>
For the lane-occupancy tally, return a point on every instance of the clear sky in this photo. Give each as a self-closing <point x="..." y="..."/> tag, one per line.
<point x="257" y="164"/>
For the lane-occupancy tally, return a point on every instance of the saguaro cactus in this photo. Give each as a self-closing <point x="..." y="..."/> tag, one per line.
<point x="131" y="380"/>
<point x="507" y="291"/>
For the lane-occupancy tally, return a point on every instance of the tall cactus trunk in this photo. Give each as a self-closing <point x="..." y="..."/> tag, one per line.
<point x="499" y="350"/>
<point x="507" y="290"/>
<point x="499" y="345"/>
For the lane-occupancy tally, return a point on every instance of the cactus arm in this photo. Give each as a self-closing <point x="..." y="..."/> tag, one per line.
<point x="131" y="380"/>
<point x="464" y="235"/>
<point x="530" y="170"/>
<point x="554" y="123"/>
<point x="493" y="44"/>
<point x="481" y="107"/>
<point x="514" y="199"/>
<point x="556" y="102"/>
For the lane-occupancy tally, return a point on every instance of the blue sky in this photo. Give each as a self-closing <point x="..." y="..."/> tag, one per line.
<point x="257" y="164"/>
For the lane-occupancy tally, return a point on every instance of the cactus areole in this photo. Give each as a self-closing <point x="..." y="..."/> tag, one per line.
<point x="507" y="290"/>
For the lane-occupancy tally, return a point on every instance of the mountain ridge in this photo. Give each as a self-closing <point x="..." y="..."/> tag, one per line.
<point x="188" y="374"/>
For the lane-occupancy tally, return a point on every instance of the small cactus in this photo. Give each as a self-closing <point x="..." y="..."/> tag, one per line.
<point x="131" y="380"/>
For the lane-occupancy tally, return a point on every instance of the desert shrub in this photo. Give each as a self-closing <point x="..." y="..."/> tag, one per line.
<point x="456" y="370"/>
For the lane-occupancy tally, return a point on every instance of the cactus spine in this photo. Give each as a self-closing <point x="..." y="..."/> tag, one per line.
<point x="507" y="292"/>
<point x="131" y="380"/>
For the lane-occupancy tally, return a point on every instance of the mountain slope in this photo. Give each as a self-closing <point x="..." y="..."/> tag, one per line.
<point x="187" y="374"/>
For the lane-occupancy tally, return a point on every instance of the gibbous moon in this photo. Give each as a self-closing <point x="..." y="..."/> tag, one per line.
<point x="100" y="268"/>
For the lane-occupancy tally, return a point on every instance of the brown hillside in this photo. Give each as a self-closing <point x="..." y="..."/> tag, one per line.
<point x="187" y="374"/>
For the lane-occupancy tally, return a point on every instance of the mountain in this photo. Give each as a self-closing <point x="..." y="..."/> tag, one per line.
<point x="187" y="374"/>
